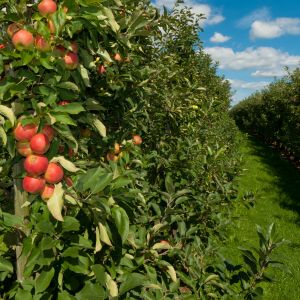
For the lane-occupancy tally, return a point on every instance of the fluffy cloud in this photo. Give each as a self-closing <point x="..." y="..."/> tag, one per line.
<point x="262" y="58"/>
<point x="270" y="73"/>
<point x="212" y="17"/>
<point x="219" y="38"/>
<point x="275" y="28"/>
<point x="241" y="84"/>
<point x="261" y="14"/>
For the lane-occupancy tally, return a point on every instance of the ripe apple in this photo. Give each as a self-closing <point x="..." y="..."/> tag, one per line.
<point x="111" y="156"/>
<point x="23" y="148"/>
<point x="71" y="60"/>
<point x="63" y="102"/>
<point x="36" y="164"/>
<point x="137" y="140"/>
<point x="60" y="50"/>
<point x="47" y="192"/>
<point x="2" y="46"/>
<point x="49" y="132"/>
<point x="41" y="44"/>
<point x="47" y="7"/>
<point x="39" y="143"/>
<point x="101" y="69"/>
<point x="54" y="173"/>
<point x="26" y="132"/>
<point x="13" y="28"/>
<point x="71" y="152"/>
<point x="33" y="185"/>
<point x="118" y="57"/>
<point x="23" y="39"/>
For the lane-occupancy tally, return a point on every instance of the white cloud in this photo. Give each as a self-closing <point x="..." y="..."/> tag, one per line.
<point x="270" y="73"/>
<point x="252" y="85"/>
<point x="219" y="38"/>
<point x="212" y="17"/>
<point x="262" y="58"/>
<point x="261" y="14"/>
<point x="275" y="28"/>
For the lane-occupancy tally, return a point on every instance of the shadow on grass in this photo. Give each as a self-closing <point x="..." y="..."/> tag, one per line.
<point x="288" y="176"/>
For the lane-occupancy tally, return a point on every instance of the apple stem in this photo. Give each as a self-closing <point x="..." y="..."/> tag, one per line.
<point x="20" y="197"/>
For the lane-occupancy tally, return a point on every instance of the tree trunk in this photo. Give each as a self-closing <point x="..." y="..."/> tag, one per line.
<point x="20" y="199"/>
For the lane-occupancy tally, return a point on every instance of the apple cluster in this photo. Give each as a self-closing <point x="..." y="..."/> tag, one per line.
<point x="24" y="39"/>
<point x="41" y="175"/>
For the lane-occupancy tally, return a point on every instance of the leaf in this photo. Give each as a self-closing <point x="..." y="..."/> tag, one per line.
<point x="161" y="245"/>
<point x="70" y="224"/>
<point x="56" y="202"/>
<point x="100" y="127"/>
<point x="132" y="281"/>
<point x="85" y="75"/>
<point x="112" y="22"/>
<point x="43" y="281"/>
<point x="69" y="86"/>
<point x="102" y="182"/>
<point x="104" y="235"/>
<point x="73" y="108"/>
<point x="121" y="221"/>
<point x="5" y="265"/>
<point x="23" y="295"/>
<point x="98" y="245"/>
<point x="99" y="271"/>
<point x="8" y="113"/>
<point x="91" y="291"/>
<point x="111" y="286"/>
<point x="64" y="295"/>
<point x="3" y="136"/>
<point x="66" y="164"/>
<point x="171" y="271"/>
<point x="169" y="184"/>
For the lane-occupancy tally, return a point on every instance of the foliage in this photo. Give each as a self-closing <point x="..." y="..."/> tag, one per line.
<point x="274" y="112"/>
<point x="139" y="222"/>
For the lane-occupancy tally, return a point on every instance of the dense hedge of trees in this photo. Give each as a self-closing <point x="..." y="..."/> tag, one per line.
<point x="134" y="219"/>
<point x="274" y="113"/>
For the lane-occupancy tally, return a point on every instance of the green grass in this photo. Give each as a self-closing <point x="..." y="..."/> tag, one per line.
<point x="276" y="186"/>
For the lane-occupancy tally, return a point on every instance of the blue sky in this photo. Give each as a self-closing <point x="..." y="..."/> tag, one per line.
<point x="252" y="40"/>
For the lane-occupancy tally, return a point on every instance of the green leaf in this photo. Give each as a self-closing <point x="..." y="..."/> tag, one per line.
<point x="70" y="224"/>
<point x="43" y="281"/>
<point x="63" y="118"/>
<point x="8" y="113"/>
<point x="169" y="184"/>
<point x="56" y="202"/>
<point x="3" y="136"/>
<point x="65" y="296"/>
<point x="121" y="221"/>
<point x="99" y="271"/>
<point x="104" y="235"/>
<point x="23" y="295"/>
<point x="91" y="291"/>
<point x="132" y="281"/>
<point x="85" y="75"/>
<point x="66" y="164"/>
<point x="111" y="286"/>
<point x="100" y="127"/>
<point x="69" y="86"/>
<point x="73" y="108"/>
<point x="5" y="265"/>
<point x="111" y="19"/>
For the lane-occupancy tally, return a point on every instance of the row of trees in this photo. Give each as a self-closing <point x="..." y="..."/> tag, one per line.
<point x="147" y="149"/>
<point x="274" y="113"/>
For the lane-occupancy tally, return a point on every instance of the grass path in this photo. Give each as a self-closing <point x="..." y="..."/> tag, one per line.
<point x="276" y="186"/>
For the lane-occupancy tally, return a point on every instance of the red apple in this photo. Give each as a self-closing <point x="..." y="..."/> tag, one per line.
<point x="118" y="57"/>
<point x="39" y="143"/>
<point x="137" y="140"/>
<point x="2" y="46"/>
<point x="36" y="164"/>
<point x="101" y="69"/>
<point x="41" y="44"/>
<point x="23" y="38"/>
<point x="47" y="7"/>
<point x="23" y="148"/>
<point x="49" y="132"/>
<point x="26" y="132"/>
<point x="63" y="102"/>
<point x="54" y="173"/>
<point x="47" y="192"/>
<point x="111" y="156"/>
<point x="60" y="50"/>
<point x="71" y="152"/>
<point x="71" y="60"/>
<point x="33" y="185"/>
